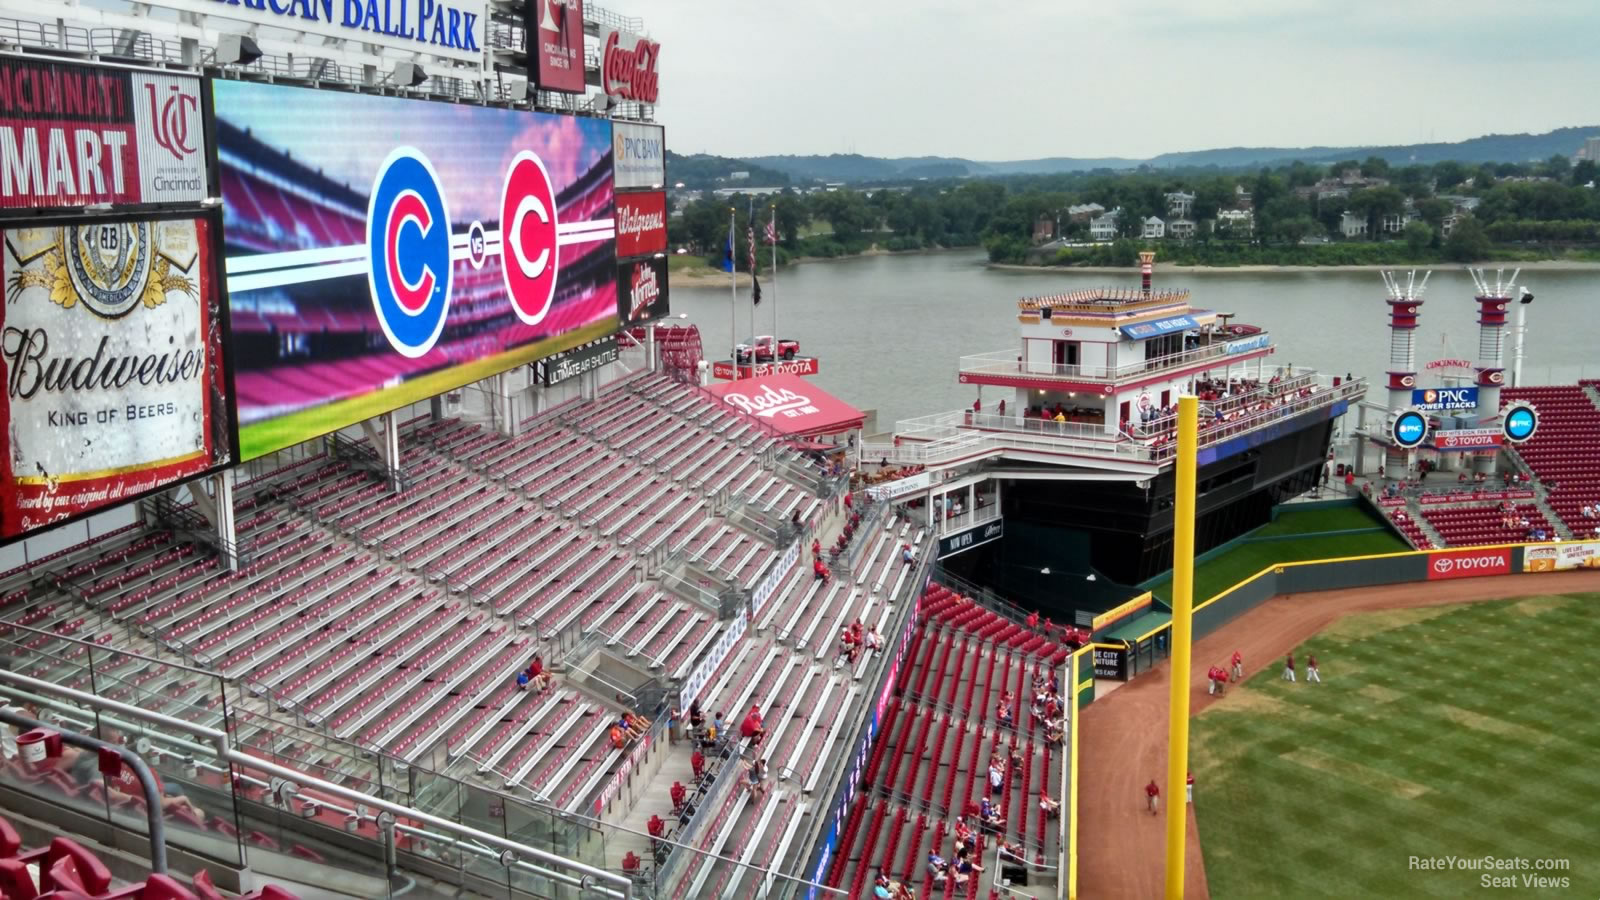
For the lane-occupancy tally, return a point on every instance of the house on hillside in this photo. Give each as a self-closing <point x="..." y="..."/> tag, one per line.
<point x="1234" y="221"/>
<point x="1154" y="228"/>
<point x="1104" y="226"/>
<point x="1352" y="225"/>
<point x="1083" y="212"/>
<point x="1044" y="229"/>
<point x="1241" y="198"/>
<point x="1181" y="229"/>
<point x="1180" y="204"/>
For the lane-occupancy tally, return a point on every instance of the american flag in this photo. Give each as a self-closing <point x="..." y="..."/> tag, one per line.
<point x="772" y="232"/>
<point x="750" y="242"/>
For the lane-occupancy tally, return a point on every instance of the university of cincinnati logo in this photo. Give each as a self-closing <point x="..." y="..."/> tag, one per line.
<point x="112" y="268"/>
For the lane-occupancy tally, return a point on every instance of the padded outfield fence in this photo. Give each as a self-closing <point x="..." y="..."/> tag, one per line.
<point x="1145" y="649"/>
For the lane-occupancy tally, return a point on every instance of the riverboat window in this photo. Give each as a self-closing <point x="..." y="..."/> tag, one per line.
<point x="1066" y="353"/>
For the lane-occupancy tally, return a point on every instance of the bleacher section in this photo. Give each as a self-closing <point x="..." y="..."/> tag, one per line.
<point x="66" y="866"/>
<point x="1485" y="523"/>
<point x="940" y="735"/>
<point x="1562" y="452"/>
<point x="399" y="620"/>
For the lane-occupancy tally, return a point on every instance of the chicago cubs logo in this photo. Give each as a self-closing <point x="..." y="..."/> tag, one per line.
<point x="408" y="246"/>
<point x="530" y="258"/>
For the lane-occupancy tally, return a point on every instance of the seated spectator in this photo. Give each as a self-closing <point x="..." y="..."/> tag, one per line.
<point x="627" y="729"/>
<point x="873" y="639"/>
<point x="989" y="816"/>
<point x="1051" y="808"/>
<point x="756" y="774"/>
<point x="1588" y="511"/>
<point x="1008" y="849"/>
<point x="522" y="680"/>
<point x="636" y="722"/>
<point x="536" y="675"/>
<point x="997" y="777"/>
<point x="1003" y="715"/>
<point x="751" y="728"/>
<point x="962" y="830"/>
<point x="937" y="867"/>
<point x="1054" y="732"/>
<point x="619" y="738"/>
<point x="906" y="556"/>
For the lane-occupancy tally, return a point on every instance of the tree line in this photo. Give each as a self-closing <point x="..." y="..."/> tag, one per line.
<point x="1542" y="203"/>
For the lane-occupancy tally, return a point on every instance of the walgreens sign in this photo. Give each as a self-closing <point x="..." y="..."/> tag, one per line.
<point x="1468" y="564"/>
<point x="641" y="224"/>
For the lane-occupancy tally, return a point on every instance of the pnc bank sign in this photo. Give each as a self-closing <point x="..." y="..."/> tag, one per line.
<point x="1445" y="398"/>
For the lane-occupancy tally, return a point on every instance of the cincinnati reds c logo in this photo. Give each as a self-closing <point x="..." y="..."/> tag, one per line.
<point x="408" y="252"/>
<point x="530" y="258"/>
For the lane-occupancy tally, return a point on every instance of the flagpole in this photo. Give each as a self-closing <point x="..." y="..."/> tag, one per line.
<point x="733" y="296"/>
<point x="773" y="222"/>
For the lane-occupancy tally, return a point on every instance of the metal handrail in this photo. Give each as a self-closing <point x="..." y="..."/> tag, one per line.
<point x="1009" y="362"/>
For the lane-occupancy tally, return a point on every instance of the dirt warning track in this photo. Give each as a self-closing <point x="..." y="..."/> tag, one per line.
<point x="1123" y="738"/>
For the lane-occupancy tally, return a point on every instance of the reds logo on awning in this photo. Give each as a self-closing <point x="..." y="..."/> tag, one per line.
<point x="789" y="404"/>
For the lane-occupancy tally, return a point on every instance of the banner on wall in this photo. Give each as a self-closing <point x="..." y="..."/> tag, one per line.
<point x="641" y="155"/>
<point x="630" y="66"/>
<point x="554" y="30"/>
<point x="115" y="385"/>
<point x="451" y="29"/>
<point x="1468" y="563"/>
<point x="72" y="135"/>
<point x="641" y="224"/>
<point x="642" y="290"/>
<point x="374" y="259"/>
<point x="1561" y="557"/>
<point x="569" y="365"/>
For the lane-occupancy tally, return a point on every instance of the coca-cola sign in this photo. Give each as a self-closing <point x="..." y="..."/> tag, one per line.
<point x="1468" y="563"/>
<point x="642" y="290"/>
<point x="641" y="224"/>
<point x="113" y="366"/>
<point x="629" y="66"/>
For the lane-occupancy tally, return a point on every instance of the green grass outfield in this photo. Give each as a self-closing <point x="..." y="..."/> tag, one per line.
<point x="1462" y="731"/>
<point x="1228" y="569"/>
<point x="1310" y="521"/>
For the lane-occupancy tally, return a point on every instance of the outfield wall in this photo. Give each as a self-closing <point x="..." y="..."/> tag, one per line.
<point x="1409" y="567"/>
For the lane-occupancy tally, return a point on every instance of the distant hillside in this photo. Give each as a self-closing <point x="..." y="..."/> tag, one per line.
<point x="853" y="167"/>
<point x="702" y="170"/>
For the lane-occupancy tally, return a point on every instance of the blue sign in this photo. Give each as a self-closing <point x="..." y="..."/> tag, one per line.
<point x="1410" y="429"/>
<point x="1245" y="345"/>
<point x="1159" y="327"/>
<point x="1445" y="398"/>
<point x="1521" y="421"/>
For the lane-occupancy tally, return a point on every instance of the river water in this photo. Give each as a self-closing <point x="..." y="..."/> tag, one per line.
<point x="889" y="330"/>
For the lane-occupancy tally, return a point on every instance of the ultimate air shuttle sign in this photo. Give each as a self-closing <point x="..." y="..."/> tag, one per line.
<point x="452" y="30"/>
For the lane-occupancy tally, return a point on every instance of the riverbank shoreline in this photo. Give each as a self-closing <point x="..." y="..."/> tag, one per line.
<point x="1544" y="265"/>
<point x="705" y="276"/>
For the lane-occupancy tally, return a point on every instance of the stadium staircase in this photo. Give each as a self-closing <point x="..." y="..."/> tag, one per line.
<point x="368" y="619"/>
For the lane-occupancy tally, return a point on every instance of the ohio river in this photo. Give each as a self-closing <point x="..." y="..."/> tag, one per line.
<point x="889" y="329"/>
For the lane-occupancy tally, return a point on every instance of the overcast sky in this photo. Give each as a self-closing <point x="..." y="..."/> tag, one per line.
<point x="1015" y="79"/>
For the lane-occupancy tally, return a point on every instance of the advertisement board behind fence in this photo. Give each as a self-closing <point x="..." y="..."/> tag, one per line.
<point x="72" y="135"/>
<point x="1561" y="557"/>
<point x="1468" y="563"/>
<point x="115" y="385"/>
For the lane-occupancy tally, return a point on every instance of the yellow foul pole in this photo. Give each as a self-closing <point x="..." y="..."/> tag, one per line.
<point x="1182" y="615"/>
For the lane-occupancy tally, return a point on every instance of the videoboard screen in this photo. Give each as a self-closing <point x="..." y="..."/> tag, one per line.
<point x="113" y="356"/>
<point x="365" y="260"/>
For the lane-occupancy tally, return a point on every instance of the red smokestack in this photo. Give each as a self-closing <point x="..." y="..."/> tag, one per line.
<point x="1147" y="262"/>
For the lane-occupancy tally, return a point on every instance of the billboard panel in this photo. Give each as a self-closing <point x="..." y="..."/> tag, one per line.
<point x="554" y="31"/>
<point x="642" y="290"/>
<point x="367" y="258"/>
<point x="641" y="155"/>
<point x="451" y="29"/>
<point x="115" y="383"/>
<point x="565" y="366"/>
<point x="1436" y="399"/>
<point x="1561" y="557"/>
<point x="641" y="224"/>
<point x="72" y="135"/>
<point x="1468" y="563"/>
<point x="630" y="66"/>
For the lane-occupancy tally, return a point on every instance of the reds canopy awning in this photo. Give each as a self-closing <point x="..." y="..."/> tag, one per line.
<point x="791" y="404"/>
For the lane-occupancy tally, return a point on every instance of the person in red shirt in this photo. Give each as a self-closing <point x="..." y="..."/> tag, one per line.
<point x="849" y="502"/>
<point x="1288" y="667"/>
<point x="1152" y="796"/>
<point x="1033" y="620"/>
<point x="1238" y="666"/>
<point x="1311" y="669"/>
<point x="1211" y="679"/>
<point x="752" y="728"/>
<point x="537" y="679"/>
<point x="1190" y="791"/>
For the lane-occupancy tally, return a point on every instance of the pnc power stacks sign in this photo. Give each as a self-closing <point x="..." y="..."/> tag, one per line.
<point x="112" y="364"/>
<point x="74" y="135"/>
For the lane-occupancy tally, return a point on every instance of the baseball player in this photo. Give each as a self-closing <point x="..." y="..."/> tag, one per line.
<point x="1311" y="669"/>
<point x="1189" y="788"/>
<point x="1152" y="796"/>
<point x="1288" y="667"/>
<point x="1238" y="666"/>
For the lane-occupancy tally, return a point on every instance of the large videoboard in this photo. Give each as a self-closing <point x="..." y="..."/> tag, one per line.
<point x="113" y="357"/>
<point x="368" y="261"/>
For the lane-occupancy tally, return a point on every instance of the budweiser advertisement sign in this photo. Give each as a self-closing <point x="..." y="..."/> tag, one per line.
<point x="1468" y="563"/>
<point x="629" y="66"/>
<point x="113" y="366"/>
<point x="641" y="224"/>
<point x="803" y="365"/>
<point x="642" y="290"/>
<point x="72" y="135"/>
<point x="555" y="44"/>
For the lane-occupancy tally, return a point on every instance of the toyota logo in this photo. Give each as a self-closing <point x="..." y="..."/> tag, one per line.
<point x="1443" y="564"/>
